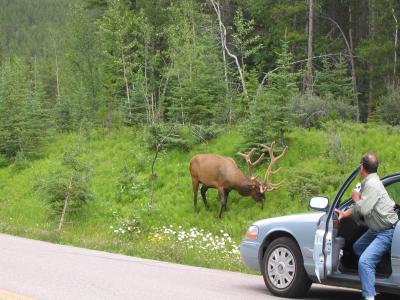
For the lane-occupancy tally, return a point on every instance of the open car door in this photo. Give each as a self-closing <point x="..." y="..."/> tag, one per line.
<point x="323" y="248"/>
<point x="323" y="242"/>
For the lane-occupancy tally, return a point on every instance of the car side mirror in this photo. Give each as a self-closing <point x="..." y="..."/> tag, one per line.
<point x="319" y="203"/>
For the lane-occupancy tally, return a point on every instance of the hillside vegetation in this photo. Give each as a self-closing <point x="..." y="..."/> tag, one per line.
<point x="115" y="214"/>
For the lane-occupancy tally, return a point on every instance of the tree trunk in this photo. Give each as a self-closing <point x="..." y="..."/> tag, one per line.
<point x="146" y="88"/>
<point x="309" y="76"/>
<point x="228" y="100"/>
<point x="65" y="205"/>
<point x="349" y="46"/>
<point x="128" y="97"/>
<point x="57" y="73"/>
<point x="371" y="14"/>
<point x="353" y="68"/>
<point x="293" y="44"/>
<point x="153" y="175"/>
<point x="35" y="72"/>
<point x="217" y="10"/>
<point x="395" y="45"/>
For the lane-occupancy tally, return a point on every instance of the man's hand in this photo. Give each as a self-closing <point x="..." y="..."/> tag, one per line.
<point x="356" y="196"/>
<point x="343" y="214"/>
<point x="340" y="213"/>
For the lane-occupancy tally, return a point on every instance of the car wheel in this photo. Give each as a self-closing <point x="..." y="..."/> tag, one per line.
<point x="283" y="269"/>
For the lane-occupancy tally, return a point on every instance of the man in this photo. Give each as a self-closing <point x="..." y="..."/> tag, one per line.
<point x="372" y="205"/>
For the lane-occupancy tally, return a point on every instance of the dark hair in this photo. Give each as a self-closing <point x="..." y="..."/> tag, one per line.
<point x="370" y="162"/>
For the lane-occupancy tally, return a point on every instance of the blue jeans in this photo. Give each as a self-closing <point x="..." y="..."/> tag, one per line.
<point x="370" y="247"/>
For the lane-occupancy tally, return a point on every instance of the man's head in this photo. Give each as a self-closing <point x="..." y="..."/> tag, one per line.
<point x="369" y="164"/>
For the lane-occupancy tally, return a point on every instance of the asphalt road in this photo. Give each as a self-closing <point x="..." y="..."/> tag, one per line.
<point x="38" y="270"/>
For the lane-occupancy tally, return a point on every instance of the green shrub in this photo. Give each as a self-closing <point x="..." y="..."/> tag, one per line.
<point x="57" y="186"/>
<point x="311" y="111"/>
<point x="126" y="227"/>
<point x="204" y="133"/>
<point x="4" y="161"/>
<point x="70" y="180"/>
<point x="20" y="162"/>
<point x="303" y="185"/>
<point x="129" y="187"/>
<point x="167" y="137"/>
<point x="389" y="108"/>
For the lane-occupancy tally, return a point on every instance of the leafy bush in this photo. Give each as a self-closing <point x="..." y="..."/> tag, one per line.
<point x="70" y="181"/>
<point x="20" y="162"/>
<point x="3" y="161"/>
<point x="342" y="154"/>
<point x="311" y="111"/>
<point x="129" y="187"/>
<point x="389" y="108"/>
<point x="57" y="186"/>
<point x="305" y="184"/>
<point x="203" y="133"/>
<point x="167" y="137"/>
<point x="128" y="226"/>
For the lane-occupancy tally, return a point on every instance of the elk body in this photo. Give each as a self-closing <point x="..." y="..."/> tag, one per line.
<point x="222" y="173"/>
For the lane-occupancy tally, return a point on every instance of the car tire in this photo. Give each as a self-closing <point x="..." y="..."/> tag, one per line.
<point x="283" y="269"/>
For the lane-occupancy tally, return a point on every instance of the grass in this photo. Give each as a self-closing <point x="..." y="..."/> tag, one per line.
<point x="317" y="162"/>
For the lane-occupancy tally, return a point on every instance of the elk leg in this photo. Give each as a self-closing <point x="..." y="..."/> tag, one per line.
<point x="203" y="192"/>
<point x="226" y="199"/>
<point x="195" y="183"/>
<point x="222" y="198"/>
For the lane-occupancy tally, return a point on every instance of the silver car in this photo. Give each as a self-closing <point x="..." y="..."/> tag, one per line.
<point x="294" y="251"/>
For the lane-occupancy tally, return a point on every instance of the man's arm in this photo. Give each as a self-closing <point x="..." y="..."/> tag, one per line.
<point x="356" y="197"/>
<point x="344" y="214"/>
<point x="365" y="202"/>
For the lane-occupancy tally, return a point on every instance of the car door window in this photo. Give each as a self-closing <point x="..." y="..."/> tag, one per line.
<point x="347" y="194"/>
<point x="392" y="188"/>
<point x="394" y="191"/>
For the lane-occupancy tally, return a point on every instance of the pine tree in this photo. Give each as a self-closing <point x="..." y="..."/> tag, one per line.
<point x="196" y="91"/>
<point x="269" y="119"/>
<point x="125" y="37"/>
<point x="79" y="72"/>
<point x="38" y="119"/>
<point x="334" y="79"/>
<point x="13" y="96"/>
<point x="22" y="119"/>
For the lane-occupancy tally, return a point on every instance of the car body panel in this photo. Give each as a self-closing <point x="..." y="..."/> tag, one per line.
<point x="320" y="256"/>
<point x="396" y="255"/>
<point x="300" y="226"/>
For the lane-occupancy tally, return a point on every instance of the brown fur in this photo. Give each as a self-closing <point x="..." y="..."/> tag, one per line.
<point x="221" y="173"/>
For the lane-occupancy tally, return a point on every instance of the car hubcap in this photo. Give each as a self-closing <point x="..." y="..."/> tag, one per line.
<point x="281" y="267"/>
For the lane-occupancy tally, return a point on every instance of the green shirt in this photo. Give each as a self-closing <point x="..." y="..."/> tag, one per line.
<point x="375" y="205"/>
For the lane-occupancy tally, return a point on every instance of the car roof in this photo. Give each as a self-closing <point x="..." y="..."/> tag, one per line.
<point x="388" y="177"/>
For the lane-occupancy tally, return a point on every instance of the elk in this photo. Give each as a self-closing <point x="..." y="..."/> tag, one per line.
<point x="222" y="173"/>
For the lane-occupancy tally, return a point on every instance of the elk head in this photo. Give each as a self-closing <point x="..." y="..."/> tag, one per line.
<point x="259" y="188"/>
<point x="256" y="191"/>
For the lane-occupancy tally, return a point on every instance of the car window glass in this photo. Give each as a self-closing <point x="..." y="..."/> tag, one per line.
<point x="347" y="193"/>
<point x="394" y="191"/>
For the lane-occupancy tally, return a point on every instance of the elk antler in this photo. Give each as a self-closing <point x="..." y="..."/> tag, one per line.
<point x="267" y="186"/>
<point x="251" y="165"/>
